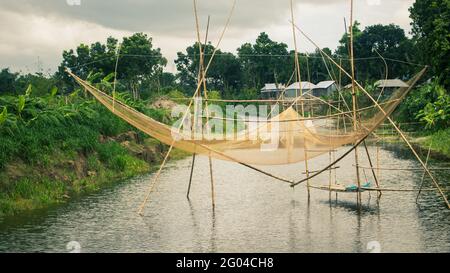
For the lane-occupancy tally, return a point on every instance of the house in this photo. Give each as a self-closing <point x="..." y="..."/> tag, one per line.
<point x="389" y="86"/>
<point x="293" y="90"/>
<point x="396" y="83"/>
<point x="325" y="88"/>
<point x="271" y="90"/>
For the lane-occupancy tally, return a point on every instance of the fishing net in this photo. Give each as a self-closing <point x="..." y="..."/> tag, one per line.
<point x="284" y="138"/>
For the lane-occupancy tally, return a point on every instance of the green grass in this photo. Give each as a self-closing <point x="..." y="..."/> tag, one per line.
<point x="52" y="151"/>
<point x="440" y="142"/>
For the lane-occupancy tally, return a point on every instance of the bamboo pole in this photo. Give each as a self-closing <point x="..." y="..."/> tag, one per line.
<point x="402" y="135"/>
<point x="371" y="167"/>
<point x="190" y="177"/>
<point x="205" y="90"/>
<point x="404" y="169"/>
<point x="378" y="162"/>
<point x="297" y="68"/>
<point x="154" y="182"/>
<point x="354" y="103"/>
<point x="212" y="183"/>
<point x="115" y="75"/>
<point x="423" y="176"/>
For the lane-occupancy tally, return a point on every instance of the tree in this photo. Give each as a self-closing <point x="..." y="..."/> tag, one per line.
<point x="7" y="81"/>
<point x="389" y="41"/>
<point x="265" y="61"/>
<point x="431" y="30"/>
<point x="224" y="73"/>
<point x="313" y="69"/>
<point x="138" y="61"/>
<point x="97" y="58"/>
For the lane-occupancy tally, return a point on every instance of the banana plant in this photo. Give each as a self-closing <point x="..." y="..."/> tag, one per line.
<point x="3" y="115"/>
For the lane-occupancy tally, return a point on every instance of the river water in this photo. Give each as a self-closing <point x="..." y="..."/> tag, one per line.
<point x="253" y="213"/>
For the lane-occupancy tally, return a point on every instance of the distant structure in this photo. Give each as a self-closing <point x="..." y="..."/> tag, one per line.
<point x="271" y="90"/>
<point x="293" y="90"/>
<point x="325" y="88"/>
<point x="389" y="86"/>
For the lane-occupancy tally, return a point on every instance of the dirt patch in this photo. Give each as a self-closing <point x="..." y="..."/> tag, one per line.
<point x="164" y="103"/>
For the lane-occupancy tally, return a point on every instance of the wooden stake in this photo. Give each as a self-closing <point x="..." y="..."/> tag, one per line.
<point x="297" y="68"/>
<point x="212" y="183"/>
<point x="371" y="167"/>
<point x="424" y="173"/>
<point x="190" y="177"/>
<point x="355" y="124"/>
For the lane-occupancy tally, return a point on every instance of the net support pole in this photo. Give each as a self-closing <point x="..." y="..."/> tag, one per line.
<point x="371" y="167"/>
<point x="424" y="173"/>
<point x="435" y="182"/>
<point x="402" y="135"/>
<point x="152" y="185"/>
<point x="190" y="176"/>
<point x="354" y="102"/>
<point x="213" y="201"/>
<point x="298" y="75"/>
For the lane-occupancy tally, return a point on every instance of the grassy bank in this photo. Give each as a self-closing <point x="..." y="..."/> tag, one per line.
<point x="55" y="148"/>
<point x="438" y="141"/>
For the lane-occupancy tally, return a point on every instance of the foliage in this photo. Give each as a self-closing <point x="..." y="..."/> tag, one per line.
<point x="417" y="100"/>
<point x="223" y="74"/>
<point x="389" y="41"/>
<point x="7" y="81"/>
<point x="440" y="141"/>
<point x="139" y="62"/>
<point x="436" y="114"/>
<point x="265" y="61"/>
<point x="431" y="30"/>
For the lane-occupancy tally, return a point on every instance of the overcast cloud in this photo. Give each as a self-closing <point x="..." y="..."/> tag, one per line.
<point x="42" y="29"/>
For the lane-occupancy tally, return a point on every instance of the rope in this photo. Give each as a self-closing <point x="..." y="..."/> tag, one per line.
<point x="253" y="55"/>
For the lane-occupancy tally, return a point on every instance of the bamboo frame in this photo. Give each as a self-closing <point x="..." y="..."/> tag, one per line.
<point x="297" y="69"/>
<point x="155" y="180"/>
<point x="354" y="103"/>
<point x="390" y="120"/>
<point x="423" y="176"/>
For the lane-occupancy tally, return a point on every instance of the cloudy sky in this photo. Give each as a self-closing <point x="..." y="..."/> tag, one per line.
<point x="35" y="32"/>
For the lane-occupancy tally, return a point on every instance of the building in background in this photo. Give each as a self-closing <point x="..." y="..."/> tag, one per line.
<point x="272" y="90"/>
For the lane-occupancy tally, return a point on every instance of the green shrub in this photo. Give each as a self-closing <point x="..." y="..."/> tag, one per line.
<point x="109" y="150"/>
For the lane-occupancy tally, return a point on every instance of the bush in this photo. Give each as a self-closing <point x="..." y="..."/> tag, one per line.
<point x="437" y="114"/>
<point x="440" y="141"/>
<point x="416" y="101"/>
<point x="109" y="150"/>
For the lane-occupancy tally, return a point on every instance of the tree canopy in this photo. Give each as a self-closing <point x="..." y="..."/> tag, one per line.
<point x="138" y="60"/>
<point x="431" y="30"/>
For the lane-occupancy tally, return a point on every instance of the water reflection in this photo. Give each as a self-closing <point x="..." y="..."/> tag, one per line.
<point x="253" y="214"/>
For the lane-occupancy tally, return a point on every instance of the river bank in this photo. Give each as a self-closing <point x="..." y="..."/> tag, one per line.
<point x="54" y="148"/>
<point x="62" y="175"/>
<point x="437" y="142"/>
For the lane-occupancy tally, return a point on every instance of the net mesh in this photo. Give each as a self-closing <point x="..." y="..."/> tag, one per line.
<point x="283" y="139"/>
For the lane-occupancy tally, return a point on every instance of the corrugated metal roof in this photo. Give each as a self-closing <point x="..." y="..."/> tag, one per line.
<point x="304" y="86"/>
<point x="272" y="87"/>
<point x="391" y="83"/>
<point x="325" y="84"/>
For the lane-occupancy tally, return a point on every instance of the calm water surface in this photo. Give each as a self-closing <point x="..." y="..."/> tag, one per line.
<point x="253" y="213"/>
